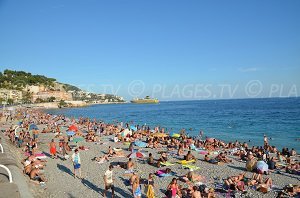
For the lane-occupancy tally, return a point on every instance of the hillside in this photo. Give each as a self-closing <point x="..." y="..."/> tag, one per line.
<point x="18" y="80"/>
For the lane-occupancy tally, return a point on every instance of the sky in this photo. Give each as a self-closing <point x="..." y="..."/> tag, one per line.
<point x="170" y="49"/>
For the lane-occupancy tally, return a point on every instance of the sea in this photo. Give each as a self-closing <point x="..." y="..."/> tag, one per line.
<point x="245" y="120"/>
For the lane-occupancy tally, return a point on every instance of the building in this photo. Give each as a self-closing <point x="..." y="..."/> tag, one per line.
<point x="59" y="95"/>
<point x="15" y="95"/>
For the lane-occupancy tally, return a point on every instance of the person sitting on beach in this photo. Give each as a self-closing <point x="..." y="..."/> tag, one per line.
<point x="222" y="158"/>
<point x="189" y="156"/>
<point x="180" y="151"/>
<point x="272" y="164"/>
<point x="235" y="182"/>
<point x="35" y="175"/>
<point x="150" y="160"/>
<point x="255" y="179"/>
<point x="280" y="157"/>
<point x="251" y="162"/>
<point x="195" y="192"/>
<point x="265" y="186"/>
<point x="293" y="152"/>
<point x="162" y="159"/>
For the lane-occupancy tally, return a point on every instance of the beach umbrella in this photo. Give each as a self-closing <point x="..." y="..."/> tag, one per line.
<point x="262" y="167"/>
<point x="73" y="128"/>
<point x="141" y="144"/>
<point x="70" y="133"/>
<point x="133" y="128"/>
<point x="137" y="154"/>
<point x="33" y="127"/>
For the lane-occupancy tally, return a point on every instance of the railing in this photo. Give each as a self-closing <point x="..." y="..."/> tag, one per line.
<point x="2" y="150"/>
<point x="8" y="171"/>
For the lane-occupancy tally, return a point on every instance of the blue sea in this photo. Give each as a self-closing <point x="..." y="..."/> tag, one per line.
<point x="229" y="120"/>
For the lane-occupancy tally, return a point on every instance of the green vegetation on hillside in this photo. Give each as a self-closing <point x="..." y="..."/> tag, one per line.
<point x="68" y="87"/>
<point x="19" y="79"/>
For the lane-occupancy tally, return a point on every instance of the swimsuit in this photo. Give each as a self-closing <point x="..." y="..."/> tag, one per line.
<point x="137" y="192"/>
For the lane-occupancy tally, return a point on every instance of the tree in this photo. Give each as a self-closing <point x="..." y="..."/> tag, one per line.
<point x="10" y="101"/>
<point x="62" y="103"/>
<point x="26" y="97"/>
<point x="39" y="100"/>
<point x="51" y="99"/>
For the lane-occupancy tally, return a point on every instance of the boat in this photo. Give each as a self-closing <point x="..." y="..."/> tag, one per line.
<point x="146" y="100"/>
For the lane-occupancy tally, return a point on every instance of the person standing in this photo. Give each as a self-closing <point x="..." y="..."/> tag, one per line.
<point x="53" y="148"/>
<point x="76" y="163"/>
<point x="109" y="181"/>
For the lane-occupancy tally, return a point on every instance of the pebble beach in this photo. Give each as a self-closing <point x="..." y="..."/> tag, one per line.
<point x="61" y="182"/>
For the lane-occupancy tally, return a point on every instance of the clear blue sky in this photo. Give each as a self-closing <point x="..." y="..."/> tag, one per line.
<point x="91" y="43"/>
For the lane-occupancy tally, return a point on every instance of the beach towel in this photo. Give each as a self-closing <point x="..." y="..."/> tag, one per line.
<point x="40" y="156"/>
<point x="186" y="162"/>
<point x="203" y="152"/>
<point x="167" y="164"/>
<point x="162" y="173"/>
<point x="150" y="192"/>
<point x="191" y="167"/>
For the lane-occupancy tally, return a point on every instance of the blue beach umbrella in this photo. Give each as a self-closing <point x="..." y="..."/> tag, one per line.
<point x="70" y="133"/>
<point x="141" y="144"/>
<point x="262" y="166"/>
<point x="33" y="127"/>
<point x="133" y="128"/>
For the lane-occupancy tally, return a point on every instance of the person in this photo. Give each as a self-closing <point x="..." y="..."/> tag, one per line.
<point x="196" y="193"/>
<point x="109" y="181"/>
<point x="76" y="163"/>
<point x="53" y="149"/>
<point x="293" y="152"/>
<point x="189" y="156"/>
<point x="130" y="165"/>
<point x="136" y="188"/>
<point x="172" y="189"/>
<point x="150" y="159"/>
<point x="265" y="140"/>
<point x="265" y="187"/>
<point x="272" y="164"/>
<point x="150" y="186"/>
<point x="163" y="159"/>
<point x="180" y="151"/>
<point x="36" y="176"/>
